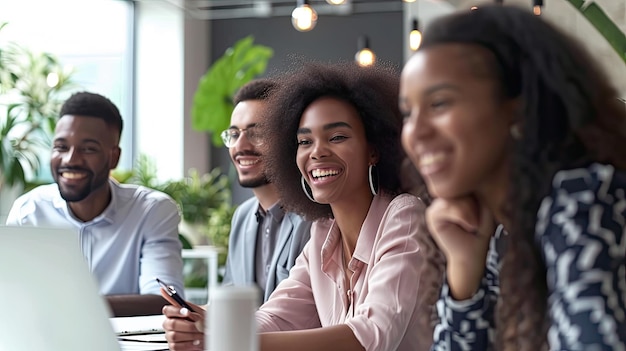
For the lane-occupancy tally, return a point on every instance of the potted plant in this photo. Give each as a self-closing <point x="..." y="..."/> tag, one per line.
<point x="199" y="196"/>
<point x="204" y="199"/>
<point x="212" y="102"/>
<point x="207" y="210"/>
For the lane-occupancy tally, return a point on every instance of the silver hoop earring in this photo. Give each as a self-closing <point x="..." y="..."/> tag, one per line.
<point x="373" y="179"/>
<point x="306" y="189"/>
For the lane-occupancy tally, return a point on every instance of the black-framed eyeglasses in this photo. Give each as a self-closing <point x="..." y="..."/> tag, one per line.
<point x="231" y="135"/>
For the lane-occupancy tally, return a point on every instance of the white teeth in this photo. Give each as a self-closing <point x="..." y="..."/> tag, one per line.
<point x="429" y="159"/>
<point x="71" y="175"/>
<point x="316" y="173"/>
<point x="248" y="162"/>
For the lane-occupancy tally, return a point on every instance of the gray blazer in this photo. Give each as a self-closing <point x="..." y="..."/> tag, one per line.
<point x="293" y="234"/>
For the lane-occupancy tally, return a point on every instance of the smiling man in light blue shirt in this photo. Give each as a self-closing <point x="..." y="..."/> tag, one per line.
<point x="128" y="234"/>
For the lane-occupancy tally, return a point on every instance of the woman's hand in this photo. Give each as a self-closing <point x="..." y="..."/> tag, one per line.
<point x="462" y="229"/>
<point x="184" y="330"/>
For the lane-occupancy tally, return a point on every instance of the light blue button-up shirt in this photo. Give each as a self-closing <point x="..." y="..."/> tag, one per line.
<point x="134" y="240"/>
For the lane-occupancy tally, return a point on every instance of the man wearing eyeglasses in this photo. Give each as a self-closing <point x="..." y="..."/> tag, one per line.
<point x="264" y="239"/>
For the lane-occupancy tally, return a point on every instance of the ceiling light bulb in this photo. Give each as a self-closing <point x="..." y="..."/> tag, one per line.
<point x="537" y="4"/>
<point x="304" y="18"/>
<point x="415" y="36"/>
<point x="336" y="2"/>
<point x="365" y="57"/>
<point x="415" y="39"/>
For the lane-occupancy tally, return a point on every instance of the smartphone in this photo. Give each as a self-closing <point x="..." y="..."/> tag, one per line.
<point x="171" y="291"/>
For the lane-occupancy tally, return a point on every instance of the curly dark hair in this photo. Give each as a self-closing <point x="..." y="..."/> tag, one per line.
<point x="257" y="89"/>
<point x="93" y="105"/>
<point x="570" y="116"/>
<point x="373" y="91"/>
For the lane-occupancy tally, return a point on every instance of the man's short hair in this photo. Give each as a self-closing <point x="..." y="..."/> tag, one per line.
<point x="258" y="89"/>
<point x="93" y="105"/>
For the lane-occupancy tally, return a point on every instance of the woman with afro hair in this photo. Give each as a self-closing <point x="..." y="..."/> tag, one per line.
<point x="335" y="157"/>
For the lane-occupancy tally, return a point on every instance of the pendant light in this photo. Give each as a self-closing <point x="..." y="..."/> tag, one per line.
<point x="537" y="7"/>
<point x="303" y="17"/>
<point x="365" y="57"/>
<point x="415" y="37"/>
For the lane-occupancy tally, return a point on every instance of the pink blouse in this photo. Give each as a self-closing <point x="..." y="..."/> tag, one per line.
<point x="383" y="287"/>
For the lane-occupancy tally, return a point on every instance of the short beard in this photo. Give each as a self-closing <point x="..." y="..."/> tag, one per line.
<point x="97" y="181"/>
<point x="75" y="197"/>
<point x="254" y="183"/>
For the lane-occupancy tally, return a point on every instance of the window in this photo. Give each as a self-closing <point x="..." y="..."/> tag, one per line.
<point x="94" y="37"/>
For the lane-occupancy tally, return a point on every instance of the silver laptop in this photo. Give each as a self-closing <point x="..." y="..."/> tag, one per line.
<point x="50" y="301"/>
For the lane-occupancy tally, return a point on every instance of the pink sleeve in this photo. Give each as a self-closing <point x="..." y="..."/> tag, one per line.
<point x="389" y="309"/>
<point x="291" y="306"/>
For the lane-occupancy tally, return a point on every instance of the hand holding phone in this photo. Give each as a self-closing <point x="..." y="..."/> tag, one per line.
<point x="171" y="291"/>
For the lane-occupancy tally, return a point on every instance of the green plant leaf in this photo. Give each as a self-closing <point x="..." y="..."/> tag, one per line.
<point x="122" y="175"/>
<point x="185" y="242"/>
<point x="605" y="26"/>
<point x="219" y="224"/>
<point x="198" y="194"/>
<point x="16" y="174"/>
<point x="212" y="102"/>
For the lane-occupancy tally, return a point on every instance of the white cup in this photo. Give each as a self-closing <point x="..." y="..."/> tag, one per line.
<point x="231" y="325"/>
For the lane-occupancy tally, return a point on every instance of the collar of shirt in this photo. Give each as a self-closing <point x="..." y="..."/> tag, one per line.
<point x="276" y="213"/>
<point x="365" y="242"/>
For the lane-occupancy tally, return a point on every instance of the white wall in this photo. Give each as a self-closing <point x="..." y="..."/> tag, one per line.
<point x="197" y="52"/>
<point x="172" y="54"/>
<point x="159" y="86"/>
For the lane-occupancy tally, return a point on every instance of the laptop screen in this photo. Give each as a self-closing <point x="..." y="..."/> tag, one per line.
<point x="50" y="300"/>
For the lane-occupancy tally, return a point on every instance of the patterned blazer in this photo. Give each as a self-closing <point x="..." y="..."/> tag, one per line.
<point x="581" y="232"/>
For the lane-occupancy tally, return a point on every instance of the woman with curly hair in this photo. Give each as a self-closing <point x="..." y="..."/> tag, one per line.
<point x="335" y="158"/>
<point x="509" y="121"/>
